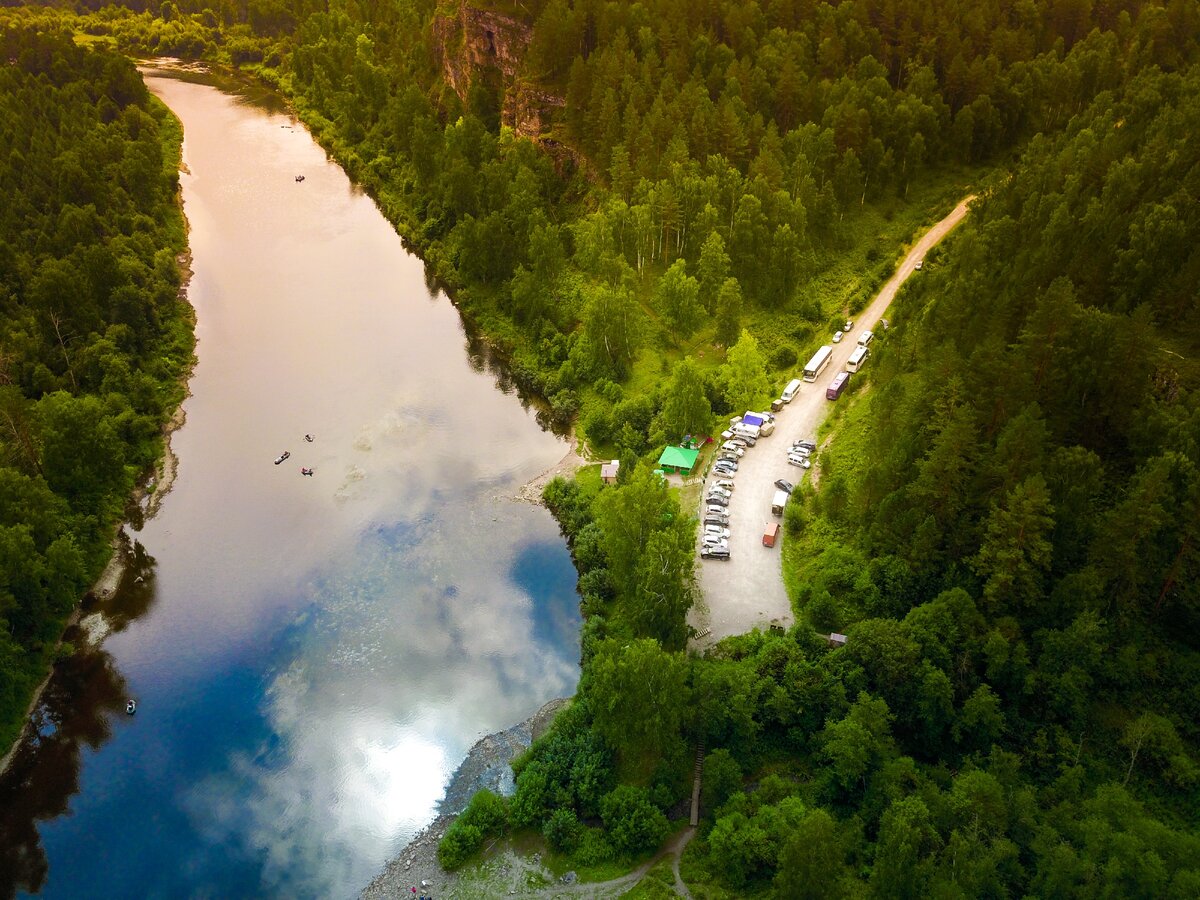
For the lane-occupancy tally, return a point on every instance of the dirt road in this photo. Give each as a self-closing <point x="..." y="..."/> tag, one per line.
<point x="746" y="591"/>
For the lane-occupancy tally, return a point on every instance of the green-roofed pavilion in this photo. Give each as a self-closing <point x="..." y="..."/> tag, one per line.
<point x="678" y="459"/>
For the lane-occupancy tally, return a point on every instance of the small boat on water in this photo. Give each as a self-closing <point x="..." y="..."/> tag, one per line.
<point x="282" y="456"/>
<point x="130" y="707"/>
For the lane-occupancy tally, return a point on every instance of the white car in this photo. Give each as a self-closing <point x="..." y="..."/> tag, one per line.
<point x="724" y="484"/>
<point x="837" y="337"/>
<point x="718" y="496"/>
<point x="801" y="461"/>
<point x="731" y="447"/>
<point x="716" y="530"/>
<point x="713" y="540"/>
<point x="849" y="326"/>
<point x="713" y="509"/>
<point x="920" y="263"/>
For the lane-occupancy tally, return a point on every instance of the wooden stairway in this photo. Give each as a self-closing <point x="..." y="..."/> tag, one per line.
<point x="695" y="819"/>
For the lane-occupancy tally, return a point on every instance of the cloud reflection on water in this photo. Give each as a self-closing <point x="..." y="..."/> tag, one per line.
<point x="351" y="770"/>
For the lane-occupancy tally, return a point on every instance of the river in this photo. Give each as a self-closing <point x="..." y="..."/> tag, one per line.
<point x="311" y="656"/>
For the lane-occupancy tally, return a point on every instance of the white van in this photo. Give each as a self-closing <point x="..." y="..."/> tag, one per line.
<point x="857" y="358"/>
<point x="789" y="392"/>
<point x="865" y="338"/>
<point x="778" y="502"/>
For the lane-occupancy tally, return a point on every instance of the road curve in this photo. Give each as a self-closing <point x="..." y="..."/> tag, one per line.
<point x="746" y="591"/>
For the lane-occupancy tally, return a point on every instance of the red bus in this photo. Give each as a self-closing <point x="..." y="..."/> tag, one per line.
<point x="837" y="386"/>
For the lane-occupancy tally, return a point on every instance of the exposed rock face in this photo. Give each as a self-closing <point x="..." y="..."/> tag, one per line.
<point x="471" y="41"/>
<point x="477" y="39"/>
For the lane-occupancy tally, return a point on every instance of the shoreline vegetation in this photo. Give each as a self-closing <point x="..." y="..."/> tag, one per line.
<point x="174" y="345"/>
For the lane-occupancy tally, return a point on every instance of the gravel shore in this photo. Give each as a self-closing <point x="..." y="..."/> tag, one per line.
<point x="486" y="766"/>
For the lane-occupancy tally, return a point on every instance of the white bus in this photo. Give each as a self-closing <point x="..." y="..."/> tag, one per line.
<point x="857" y="359"/>
<point x="817" y="364"/>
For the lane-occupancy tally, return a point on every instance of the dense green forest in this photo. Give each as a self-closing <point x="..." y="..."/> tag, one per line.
<point x="655" y="209"/>
<point x="93" y="337"/>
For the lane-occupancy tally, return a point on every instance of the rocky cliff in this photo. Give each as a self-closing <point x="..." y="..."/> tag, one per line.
<point x="472" y="42"/>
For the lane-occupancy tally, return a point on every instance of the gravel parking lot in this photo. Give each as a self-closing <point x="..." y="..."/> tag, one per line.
<point x="746" y="591"/>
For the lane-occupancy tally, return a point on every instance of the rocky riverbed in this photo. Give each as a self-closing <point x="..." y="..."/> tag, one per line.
<point x="486" y="766"/>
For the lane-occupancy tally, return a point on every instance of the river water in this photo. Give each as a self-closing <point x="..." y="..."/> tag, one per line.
<point x="311" y="656"/>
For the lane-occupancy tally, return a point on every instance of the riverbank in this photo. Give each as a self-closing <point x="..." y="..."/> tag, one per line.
<point x="145" y="501"/>
<point x="485" y="766"/>
<point x="572" y="461"/>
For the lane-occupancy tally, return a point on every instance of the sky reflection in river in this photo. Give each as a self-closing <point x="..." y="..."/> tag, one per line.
<point x="320" y="652"/>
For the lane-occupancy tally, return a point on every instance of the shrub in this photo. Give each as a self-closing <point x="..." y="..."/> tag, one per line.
<point x="784" y="357"/>
<point x="458" y="844"/>
<point x="634" y="824"/>
<point x="722" y="777"/>
<point x="563" y="830"/>
<point x="487" y="811"/>
<point x="594" y="848"/>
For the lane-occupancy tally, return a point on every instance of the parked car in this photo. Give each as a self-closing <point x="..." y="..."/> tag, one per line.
<point x="716" y="520"/>
<point x="713" y="540"/>
<point x="717" y="489"/>
<point x="849" y="326"/>
<point x="743" y="441"/>
<point x="785" y="486"/>
<point x="719" y="497"/>
<point x="718" y="530"/>
<point x="729" y="456"/>
<point x="725" y="484"/>
<point x="807" y="445"/>
<point x="715" y="509"/>
<point x="801" y="461"/>
<point x="717" y="500"/>
<point x="837" y="337"/>
<point x="799" y="451"/>
<point x="731" y="447"/>
<point x="714" y="552"/>
<point x="725" y="467"/>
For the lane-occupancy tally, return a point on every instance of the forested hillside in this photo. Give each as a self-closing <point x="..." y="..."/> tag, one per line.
<point x="93" y="339"/>
<point x="765" y="158"/>
<point x="1006" y="521"/>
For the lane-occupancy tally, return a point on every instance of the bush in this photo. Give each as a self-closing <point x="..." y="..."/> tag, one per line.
<point x="634" y="824"/>
<point x="458" y="844"/>
<point x="722" y="777"/>
<point x="784" y="357"/>
<point x="485" y="815"/>
<point x="563" y="830"/>
<point x="823" y="612"/>
<point x="594" y="848"/>
<point x="487" y="811"/>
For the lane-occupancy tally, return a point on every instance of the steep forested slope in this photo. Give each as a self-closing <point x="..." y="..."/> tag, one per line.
<point x="93" y="339"/>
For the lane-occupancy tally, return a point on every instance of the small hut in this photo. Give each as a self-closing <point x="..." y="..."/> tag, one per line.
<point x="608" y="471"/>
<point x="837" y="640"/>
